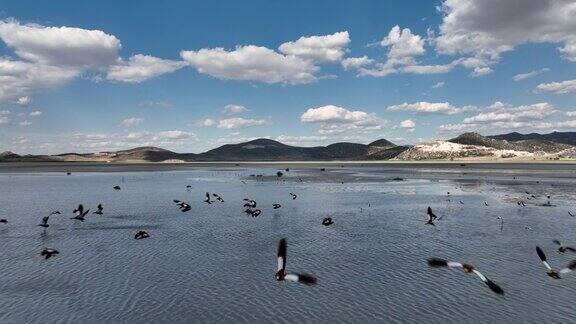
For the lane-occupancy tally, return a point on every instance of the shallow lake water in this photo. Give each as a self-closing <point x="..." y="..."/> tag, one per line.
<point x="215" y="264"/>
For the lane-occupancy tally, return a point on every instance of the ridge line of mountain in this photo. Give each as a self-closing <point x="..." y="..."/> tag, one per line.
<point x="468" y="145"/>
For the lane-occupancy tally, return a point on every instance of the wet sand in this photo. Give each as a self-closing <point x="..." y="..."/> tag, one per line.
<point x="135" y="167"/>
<point x="334" y="171"/>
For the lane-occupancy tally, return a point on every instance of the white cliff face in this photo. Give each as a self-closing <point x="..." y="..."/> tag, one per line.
<point x="449" y="150"/>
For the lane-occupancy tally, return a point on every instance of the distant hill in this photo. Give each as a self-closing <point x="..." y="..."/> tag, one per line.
<point x="479" y="140"/>
<point x="147" y="153"/>
<point x="466" y="146"/>
<point x="525" y="144"/>
<point x="8" y="154"/>
<point x="270" y="150"/>
<point x="257" y="150"/>
<point x="557" y="137"/>
<point x="475" y="146"/>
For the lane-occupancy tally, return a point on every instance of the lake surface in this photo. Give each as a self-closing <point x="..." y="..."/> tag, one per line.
<point x="214" y="264"/>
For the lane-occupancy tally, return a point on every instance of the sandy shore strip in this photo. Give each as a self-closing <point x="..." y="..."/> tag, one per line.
<point x="335" y="171"/>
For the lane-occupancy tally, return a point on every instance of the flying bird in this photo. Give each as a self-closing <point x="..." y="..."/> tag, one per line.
<point x="282" y="275"/>
<point x="80" y="213"/>
<point x="562" y="248"/>
<point x="431" y="216"/>
<point x="327" y="221"/>
<point x="184" y="207"/>
<point x="551" y="272"/>
<point x="3" y="221"/>
<point x="45" y="219"/>
<point x="253" y="212"/>
<point x="207" y="200"/>
<point x="293" y="196"/>
<point x="218" y="197"/>
<point x="250" y="203"/>
<point x="117" y="188"/>
<point x="276" y="206"/>
<point x="141" y="235"/>
<point x="99" y="209"/>
<point x="467" y="268"/>
<point x="47" y="253"/>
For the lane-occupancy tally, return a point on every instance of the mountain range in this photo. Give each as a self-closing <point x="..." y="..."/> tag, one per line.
<point x="468" y="145"/>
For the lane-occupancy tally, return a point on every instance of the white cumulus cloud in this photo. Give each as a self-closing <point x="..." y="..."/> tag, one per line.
<point x="438" y="85"/>
<point x="407" y="124"/>
<point x="252" y="63"/>
<point x="480" y="71"/>
<point x="175" y="135"/>
<point x="488" y="28"/>
<point x="24" y="101"/>
<point x="336" y="120"/>
<point x="513" y="114"/>
<point x="206" y="122"/>
<point x="557" y="87"/>
<point x="528" y="75"/>
<point x="131" y="122"/>
<point x="232" y="109"/>
<point x="142" y="67"/>
<point x="60" y="46"/>
<point x="424" y="107"/>
<point x="403" y="45"/>
<point x="235" y="123"/>
<point x="328" y="48"/>
<point x="356" y="62"/>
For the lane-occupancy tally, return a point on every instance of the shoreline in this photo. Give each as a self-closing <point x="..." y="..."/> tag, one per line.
<point x="138" y="166"/>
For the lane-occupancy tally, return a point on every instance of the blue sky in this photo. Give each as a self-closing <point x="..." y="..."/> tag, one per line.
<point x="190" y="76"/>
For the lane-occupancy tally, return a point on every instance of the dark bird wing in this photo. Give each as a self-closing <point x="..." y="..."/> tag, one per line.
<point x="571" y="267"/>
<point x="79" y="210"/>
<point x="431" y="213"/>
<point x="440" y="263"/>
<point x="542" y="257"/>
<point x="282" y="250"/>
<point x="301" y="278"/>
<point x="557" y="242"/>
<point x="493" y="286"/>
<point x="569" y="248"/>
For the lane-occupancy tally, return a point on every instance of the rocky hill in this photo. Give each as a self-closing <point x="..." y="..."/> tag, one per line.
<point x="556" y="137"/>
<point x="529" y="145"/>
<point x="476" y="146"/>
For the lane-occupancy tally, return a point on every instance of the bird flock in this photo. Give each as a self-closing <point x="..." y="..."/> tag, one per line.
<point x="251" y="209"/>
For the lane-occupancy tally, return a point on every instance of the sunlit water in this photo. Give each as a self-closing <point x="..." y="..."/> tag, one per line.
<point x="215" y="264"/>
